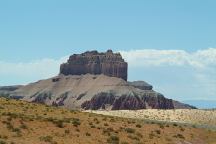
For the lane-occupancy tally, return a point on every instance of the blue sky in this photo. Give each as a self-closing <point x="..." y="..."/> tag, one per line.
<point x="36" y="36"/>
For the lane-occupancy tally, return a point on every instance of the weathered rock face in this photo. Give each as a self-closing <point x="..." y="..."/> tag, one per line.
<point x="141" y="85"/>
<point x="128" y="101"/>
<point x="93" y="62"/>
<point x="95" y="92"/>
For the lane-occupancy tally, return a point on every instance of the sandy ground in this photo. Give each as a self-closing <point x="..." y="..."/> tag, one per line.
<point x="193" y="116"/>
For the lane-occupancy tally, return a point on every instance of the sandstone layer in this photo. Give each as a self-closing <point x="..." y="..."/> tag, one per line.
<point x="93" y="62"/>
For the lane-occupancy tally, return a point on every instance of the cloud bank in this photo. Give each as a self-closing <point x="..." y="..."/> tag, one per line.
<point x="152" y="57"/>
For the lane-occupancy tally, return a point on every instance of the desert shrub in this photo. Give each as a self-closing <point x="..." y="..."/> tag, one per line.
<point x="179" y="136"/>
<point x="106" y="132"/>
<point x="11" y="115"/>
<point x="60" y="123"/>
<point x="67" y="131"/>
<point x="110" y="129"/>
<point x="112" y="120"/>
<point x="23" y="126"/>
<point x="152" y="122"/>
<point x="151" y="135"/>
<point x="46" y="138"/>
<point x="90" y="123"/>
<point x="9" y="125"/>
<point x="139" y="134"/>
<point x="175" y="124"/>
<point x="168" y="139"/>
<point x="67" y="120"/>
<point x="50" y="119"/>
<point x="113" y="139"/>
<point x="161" y="125"/>
<point x="9" y="119"/>
<point x="16" y="130"/>
<point x="129" y="122"/>
<point x="133" y="137"/>
<point x="3" y="137"/>
<point x="124" y="142"/>
<point x="133" y="122"/>
<point x="18" y="134"/>
<point x="2" y="142"/>
<point x="129" y="130"/>
<point x="105" y="124"/>
<point x="158" y="131"/>
<point x="182" y="129"/>
<point x="104" y="119"/>
<point x="138" y="126"/>
<point x="76" y="122"/>
<point x="73" y="111"/>
<point x="95" y="119"/>
<point x="88" y="134"/>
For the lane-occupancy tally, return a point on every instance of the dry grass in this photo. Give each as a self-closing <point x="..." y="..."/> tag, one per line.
<point x="27" y="123"/>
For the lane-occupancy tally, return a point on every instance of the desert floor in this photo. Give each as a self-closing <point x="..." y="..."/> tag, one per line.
<point x="28" y="123"/>
<point x="196" y="117"/>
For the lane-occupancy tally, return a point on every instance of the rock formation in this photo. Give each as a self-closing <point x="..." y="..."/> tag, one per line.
<point x="93" y="62"/>
<point x="141" y="85"/>
<point x="94" y="80"/>
<point x="129" y="101"/>
<point x="95" y="92"/>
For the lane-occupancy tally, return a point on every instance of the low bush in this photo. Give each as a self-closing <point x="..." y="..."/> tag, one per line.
<point x="46" y="138"/>
<point x="138" y="126"/>
<point x="113" y="139"/>
<point x="129" y="130"/>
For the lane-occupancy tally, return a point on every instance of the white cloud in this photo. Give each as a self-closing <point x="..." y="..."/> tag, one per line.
<point x="152" y="57"/>
<point x="185" y="75"/>
<point x="29" y="72"/>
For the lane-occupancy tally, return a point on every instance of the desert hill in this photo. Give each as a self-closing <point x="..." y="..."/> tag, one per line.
<point x="30" y="123"/>
<point x="92" y="92"/>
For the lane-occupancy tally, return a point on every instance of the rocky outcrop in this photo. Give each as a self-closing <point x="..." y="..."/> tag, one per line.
<point x="93" y="62"/>
<point x="94" y="80"/>
<point x="182" y="105"/>
<point x="132" y="101"/>
<point x="95" y="92"/>
<point x="141" y="85"/>
<point x="5" y="91"/>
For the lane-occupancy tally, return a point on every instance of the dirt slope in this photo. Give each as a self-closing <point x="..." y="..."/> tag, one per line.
<point x="94" y="92"/>
<point x="28" y="123"/>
